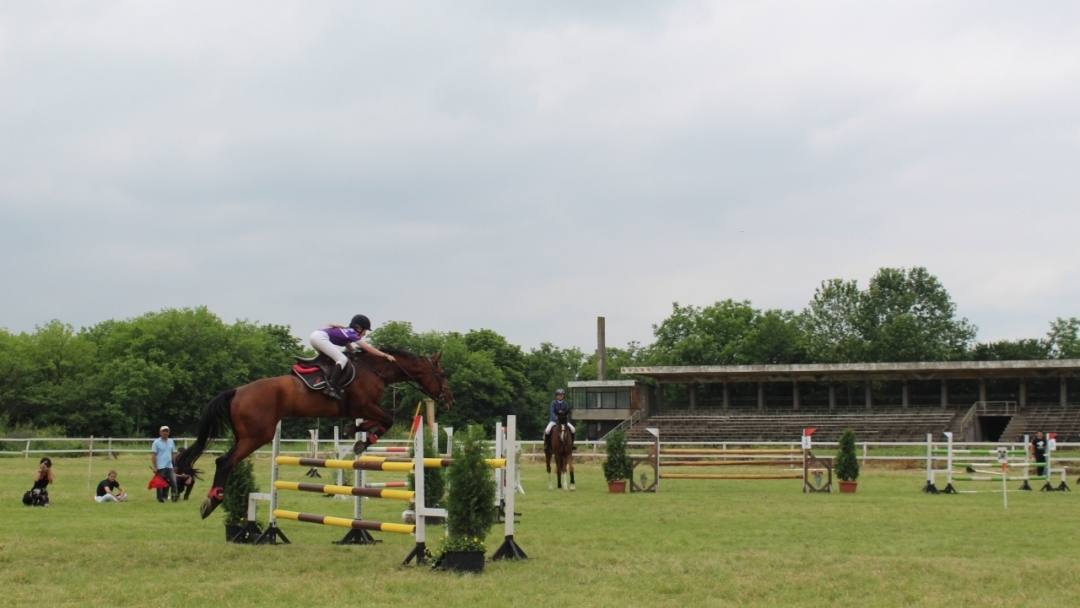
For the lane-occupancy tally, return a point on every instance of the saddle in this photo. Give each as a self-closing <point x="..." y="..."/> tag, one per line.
<point x="313" y="371"/>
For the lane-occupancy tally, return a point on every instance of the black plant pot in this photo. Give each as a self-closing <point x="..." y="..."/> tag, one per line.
<point x="462" y="561"/>
<point x="235" y="534"/>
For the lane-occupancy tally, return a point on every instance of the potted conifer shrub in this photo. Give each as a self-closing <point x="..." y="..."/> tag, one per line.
<point x="470" y="505"/>
<point x="618" y="467"/>
<point x="847" y="464"/>
<point x="241" y="483"/>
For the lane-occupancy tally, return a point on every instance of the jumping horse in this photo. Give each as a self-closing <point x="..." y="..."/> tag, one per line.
<point x="562" y="448"/>
<point x="253" y="411"/>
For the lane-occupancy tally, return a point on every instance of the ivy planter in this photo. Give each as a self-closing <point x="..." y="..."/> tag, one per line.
<point x="462" y="561"/>
<point x="848" y="487"/>
<point x="617" y="486"/>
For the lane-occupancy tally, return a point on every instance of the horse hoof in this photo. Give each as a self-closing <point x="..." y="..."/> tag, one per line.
<point x="572" y="488"/>
<point x="359" y="447"/>
<point x="549" y="486"/>
<point x="208" y="507"/>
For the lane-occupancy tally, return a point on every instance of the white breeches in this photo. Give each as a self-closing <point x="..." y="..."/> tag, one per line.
<point x="551" y="425"/>
<point x="321" y="342"/>
<point x="110" y="497"/>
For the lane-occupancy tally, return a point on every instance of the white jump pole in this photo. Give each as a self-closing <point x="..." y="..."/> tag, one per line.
<point x="337" y="454"/>
<point x="272" y="533"/>
<point x="500" y="477"/>
<point x="358" y="476"/>
<point x="509" y="548"/>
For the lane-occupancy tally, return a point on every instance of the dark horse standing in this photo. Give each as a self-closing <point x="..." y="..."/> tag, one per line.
<point x="253" y="411"/>
<point x="562" y="447"/>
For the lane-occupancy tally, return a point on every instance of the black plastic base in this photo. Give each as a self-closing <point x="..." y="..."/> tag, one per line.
<point x="419" y="553"/>
<point x="313" y="472"/>
<point x="272" y="536"/>
<point x="500" y="513"/>
<point x="509" y="549"/>
<point x="1026" y="487"/>
<point x="929" y="488"/>
<point x="1064" y="487"/>
<point x="248" y="533"/>
<point x="949" y="490"/>
<point x="357" y="537"/>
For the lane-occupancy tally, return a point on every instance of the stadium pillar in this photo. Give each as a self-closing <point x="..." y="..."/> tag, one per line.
<point x="982" y="390"/>
<point x="832" y="396"/>
<point x="1064" y="391"/>
<point x="727" y="396"/>
<point x="1023" y="392"/>
<point x="795" y="393"/>
<point x="869" y="397"/>
<point x="904" y="394"/>
<point x="944" y="394"/>
<point x="760" y="396"/>
<point x="693" y="396"/>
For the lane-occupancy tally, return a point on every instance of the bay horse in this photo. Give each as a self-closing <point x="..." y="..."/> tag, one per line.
<point x="253" y="411"/>
<point x="562" y="447"/>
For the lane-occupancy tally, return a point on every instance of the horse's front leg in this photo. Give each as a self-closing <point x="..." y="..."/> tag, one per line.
<point x="571" y="468"/>
<point x="548" y="458"/>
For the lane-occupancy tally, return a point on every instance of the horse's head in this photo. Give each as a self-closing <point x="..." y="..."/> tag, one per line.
<point x="562" y="417"/>
<point x="426" y="374"/>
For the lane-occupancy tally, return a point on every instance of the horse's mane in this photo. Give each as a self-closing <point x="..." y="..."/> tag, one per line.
<point x="395" y="352"/>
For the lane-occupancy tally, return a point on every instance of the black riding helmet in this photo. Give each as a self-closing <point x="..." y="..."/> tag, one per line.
<point x="360" y="322"/>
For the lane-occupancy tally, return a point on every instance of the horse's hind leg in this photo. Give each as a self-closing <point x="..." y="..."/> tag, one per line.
<point x="240" y="450"/>
<point x="571" y="468"/>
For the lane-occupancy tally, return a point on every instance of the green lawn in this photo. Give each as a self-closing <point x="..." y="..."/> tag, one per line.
<point x="698" y="543"/>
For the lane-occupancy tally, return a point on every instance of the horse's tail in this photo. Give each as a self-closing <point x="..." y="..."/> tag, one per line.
<point x="215" y="422"/>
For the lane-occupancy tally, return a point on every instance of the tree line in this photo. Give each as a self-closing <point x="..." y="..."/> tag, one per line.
<point x="127" y="377"/>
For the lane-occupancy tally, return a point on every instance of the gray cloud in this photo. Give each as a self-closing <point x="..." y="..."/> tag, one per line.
<point x="529" y="167"/>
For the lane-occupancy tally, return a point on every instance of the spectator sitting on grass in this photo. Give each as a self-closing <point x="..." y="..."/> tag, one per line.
<point x="106" y="490"/>
<point x="38" y="496"/>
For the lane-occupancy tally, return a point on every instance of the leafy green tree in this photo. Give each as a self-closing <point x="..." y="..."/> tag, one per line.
<point x="830" y="324"/>
<point x="1011" y="350"/>
<point x="1063" y="340"/>
<point x="908" y="316"/>
<point x="727" y="333"/>
<point x="903" y="315"/>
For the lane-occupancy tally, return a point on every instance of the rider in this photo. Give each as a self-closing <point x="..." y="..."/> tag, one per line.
<point x="558" y="406"/>
<point x="328" y="341"/>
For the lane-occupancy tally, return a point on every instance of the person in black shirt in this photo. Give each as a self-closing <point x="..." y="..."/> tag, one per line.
<point x="38" y="496"/>
<point x="1037" y="451"/>
<point x="107" y="490"/>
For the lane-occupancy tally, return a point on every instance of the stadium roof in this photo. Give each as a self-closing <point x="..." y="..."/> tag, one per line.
<point x="826" y="372"/>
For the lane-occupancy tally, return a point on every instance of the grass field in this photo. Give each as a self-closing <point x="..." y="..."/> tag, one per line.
<point x="698" y="543"/>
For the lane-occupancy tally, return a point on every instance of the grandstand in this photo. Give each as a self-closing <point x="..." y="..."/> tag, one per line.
<point x="899" y="401"/>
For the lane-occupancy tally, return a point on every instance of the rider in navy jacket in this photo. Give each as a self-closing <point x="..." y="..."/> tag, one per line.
<point x="558" y="406"/>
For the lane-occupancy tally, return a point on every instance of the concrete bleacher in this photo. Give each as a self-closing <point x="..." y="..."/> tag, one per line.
<point x="1065" y="421"/>
<point x="910" y="425"/>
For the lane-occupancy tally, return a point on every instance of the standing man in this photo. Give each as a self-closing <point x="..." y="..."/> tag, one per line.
<point x="558" y="406"/>
<point x="164" y="449"/>
<point x="1037" y="451"/>
<point x="106" y="490"/>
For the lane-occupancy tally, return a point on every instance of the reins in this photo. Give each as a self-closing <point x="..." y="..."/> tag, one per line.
<point x="381" y="375"/>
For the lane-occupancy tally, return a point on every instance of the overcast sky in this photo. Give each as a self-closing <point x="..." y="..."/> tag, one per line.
<point x="529" y="167"/>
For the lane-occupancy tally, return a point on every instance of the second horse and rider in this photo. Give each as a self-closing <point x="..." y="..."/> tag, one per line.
<point x="334" y="384"/>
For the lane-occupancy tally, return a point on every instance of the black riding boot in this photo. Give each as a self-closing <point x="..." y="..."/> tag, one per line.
<point x="332" y="388"/>
<point x="547" y="442"/>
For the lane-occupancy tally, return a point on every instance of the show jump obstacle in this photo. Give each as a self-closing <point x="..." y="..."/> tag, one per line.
<point x="1000" y="465"/>
<point x="801" y="463"/>
<point x="359" y="528"/>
